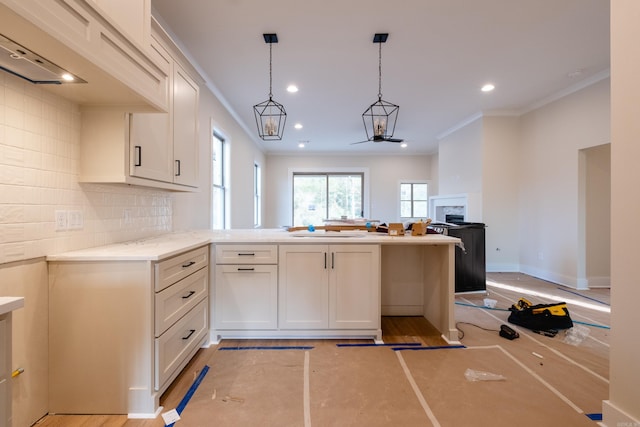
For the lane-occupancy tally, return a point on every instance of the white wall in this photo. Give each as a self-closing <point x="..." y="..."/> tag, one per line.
<point x="551" y="137"/>
<point x="622" y="409"/>
<point x="385" y="174"/>
<point x="460" y="161"/>
<point x="596" y="205"/>
<point x="500" y="192"/>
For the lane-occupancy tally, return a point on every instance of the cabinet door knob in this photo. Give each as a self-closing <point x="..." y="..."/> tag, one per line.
<point x="177" y="167"/>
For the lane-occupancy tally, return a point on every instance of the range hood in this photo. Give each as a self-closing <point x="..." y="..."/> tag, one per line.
<point x="22" y="62"/>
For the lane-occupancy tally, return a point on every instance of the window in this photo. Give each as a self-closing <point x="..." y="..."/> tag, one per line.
<point x="257" y="199"/>
<point x="413" y="200"/>
<point x="220" y="195"/>
<point x="320" y="196"/>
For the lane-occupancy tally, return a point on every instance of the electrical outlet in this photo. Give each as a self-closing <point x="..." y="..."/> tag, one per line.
<point x="61" y="220"/>
<point x="75" y="220"/>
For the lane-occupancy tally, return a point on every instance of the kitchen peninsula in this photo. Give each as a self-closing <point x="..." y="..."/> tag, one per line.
<point x="160" y="299"/>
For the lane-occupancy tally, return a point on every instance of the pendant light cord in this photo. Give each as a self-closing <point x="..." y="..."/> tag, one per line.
<point x="379" y="71"/>
<point x="270" y="78"/>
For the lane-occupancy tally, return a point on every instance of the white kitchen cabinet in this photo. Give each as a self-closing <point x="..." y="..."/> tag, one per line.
<point x="303" y="281"/>
<point x="246" y="287"/>
<point x="185" y="127"/>
<point x="96" y="39"/>
<point x="5" y="371"/>
<point x="7" y="305"/>
<point x="149" y="149"/>
<point x="164" y="146"/>
<point x="121" y="331"/>
<point x="335" y="287"/>
<point x="246" y="297"/>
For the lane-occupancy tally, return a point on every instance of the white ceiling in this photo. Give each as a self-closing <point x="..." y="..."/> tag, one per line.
<point x="438" y="55"/>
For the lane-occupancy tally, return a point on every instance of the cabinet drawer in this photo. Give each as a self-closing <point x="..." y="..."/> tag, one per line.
<point x="246" y="297"/>
<point x="169" y="271"/>
<point x="175" y="345"/>
<point x="5" y="340"/>
<point x="175" y="301"/>
<point x="246" y="254"/>
<point x="5" y="402"/>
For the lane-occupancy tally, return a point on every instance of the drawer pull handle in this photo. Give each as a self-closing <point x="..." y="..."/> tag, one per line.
<point x="189" y="264"/>
<point x="189" y="295"/>
<point x="246" y="269"/>
<point x="247" y="254"/>
<point x="191" y="332"/>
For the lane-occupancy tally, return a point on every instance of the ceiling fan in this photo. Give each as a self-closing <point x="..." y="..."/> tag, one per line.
<point x="379" y="138"/>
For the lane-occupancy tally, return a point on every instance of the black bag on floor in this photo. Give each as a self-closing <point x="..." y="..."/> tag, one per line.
<point x="540" y="317"/>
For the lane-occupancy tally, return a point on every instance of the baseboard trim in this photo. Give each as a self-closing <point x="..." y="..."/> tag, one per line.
<point x="612" y="416"/>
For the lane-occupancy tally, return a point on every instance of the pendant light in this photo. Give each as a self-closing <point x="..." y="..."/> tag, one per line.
<point x="270" y="115"/>
<point x="380" y="118"/>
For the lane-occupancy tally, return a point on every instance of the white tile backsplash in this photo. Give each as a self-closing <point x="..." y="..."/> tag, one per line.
<point x="39" y="164"/>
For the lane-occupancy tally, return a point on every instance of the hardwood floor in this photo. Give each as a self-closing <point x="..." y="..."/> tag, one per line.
<point x="547" y="366"/>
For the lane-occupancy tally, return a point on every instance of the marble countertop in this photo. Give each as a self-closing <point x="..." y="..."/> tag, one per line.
<point x="8" y="304"/>
<point x="170" y="244"/>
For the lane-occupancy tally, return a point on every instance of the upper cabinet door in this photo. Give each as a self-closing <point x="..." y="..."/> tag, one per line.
<point x="150" y="134"/>
<point x="151" y="151"/>
<point x="185" y="128"/>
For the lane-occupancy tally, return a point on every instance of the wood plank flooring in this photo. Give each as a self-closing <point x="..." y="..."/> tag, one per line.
<point x="578" y="373"/>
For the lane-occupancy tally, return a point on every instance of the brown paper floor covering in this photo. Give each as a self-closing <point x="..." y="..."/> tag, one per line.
<point x="547" y="381"/>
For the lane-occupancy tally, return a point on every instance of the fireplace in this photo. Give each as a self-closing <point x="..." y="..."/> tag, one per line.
<point x="459" y="207"/>
<point x="442" y="207"/>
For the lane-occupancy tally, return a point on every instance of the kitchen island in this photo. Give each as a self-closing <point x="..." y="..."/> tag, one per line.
<point x="153" y="302"/>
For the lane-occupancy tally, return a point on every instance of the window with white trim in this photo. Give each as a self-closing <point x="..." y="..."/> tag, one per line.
<point x="257" y="196"/>
<point x="414" y="200"/>
<point x="219" y="189"/>
<point x="333" y="195"/>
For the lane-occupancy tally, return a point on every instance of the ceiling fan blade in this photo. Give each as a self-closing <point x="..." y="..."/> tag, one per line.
<point x="394" y="140"/>
<point x="361" y="142"/>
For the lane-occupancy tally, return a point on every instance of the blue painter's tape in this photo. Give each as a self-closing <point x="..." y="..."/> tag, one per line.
<point x="268" y="348"/>
<point x="592" y="324"/>
<point x="583" y="296"/>
<point x="192" y="389"/>
<point x="594" y="417"/>
<point x="481" y="306"/>
<point x="437" y="347"/>
<point x="397" y="344"/>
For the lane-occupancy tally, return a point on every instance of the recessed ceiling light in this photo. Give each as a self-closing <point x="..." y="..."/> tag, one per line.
<point x="292" y="88"/>
<point x="488" y="87"/>
<point x="403" y="145"/>
<point x="298" y="126"/>
<point x="302" y="144"/>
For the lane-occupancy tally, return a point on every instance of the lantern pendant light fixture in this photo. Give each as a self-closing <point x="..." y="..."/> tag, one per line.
<point x="270" y="115"/>
<point x="380" y="118"/>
